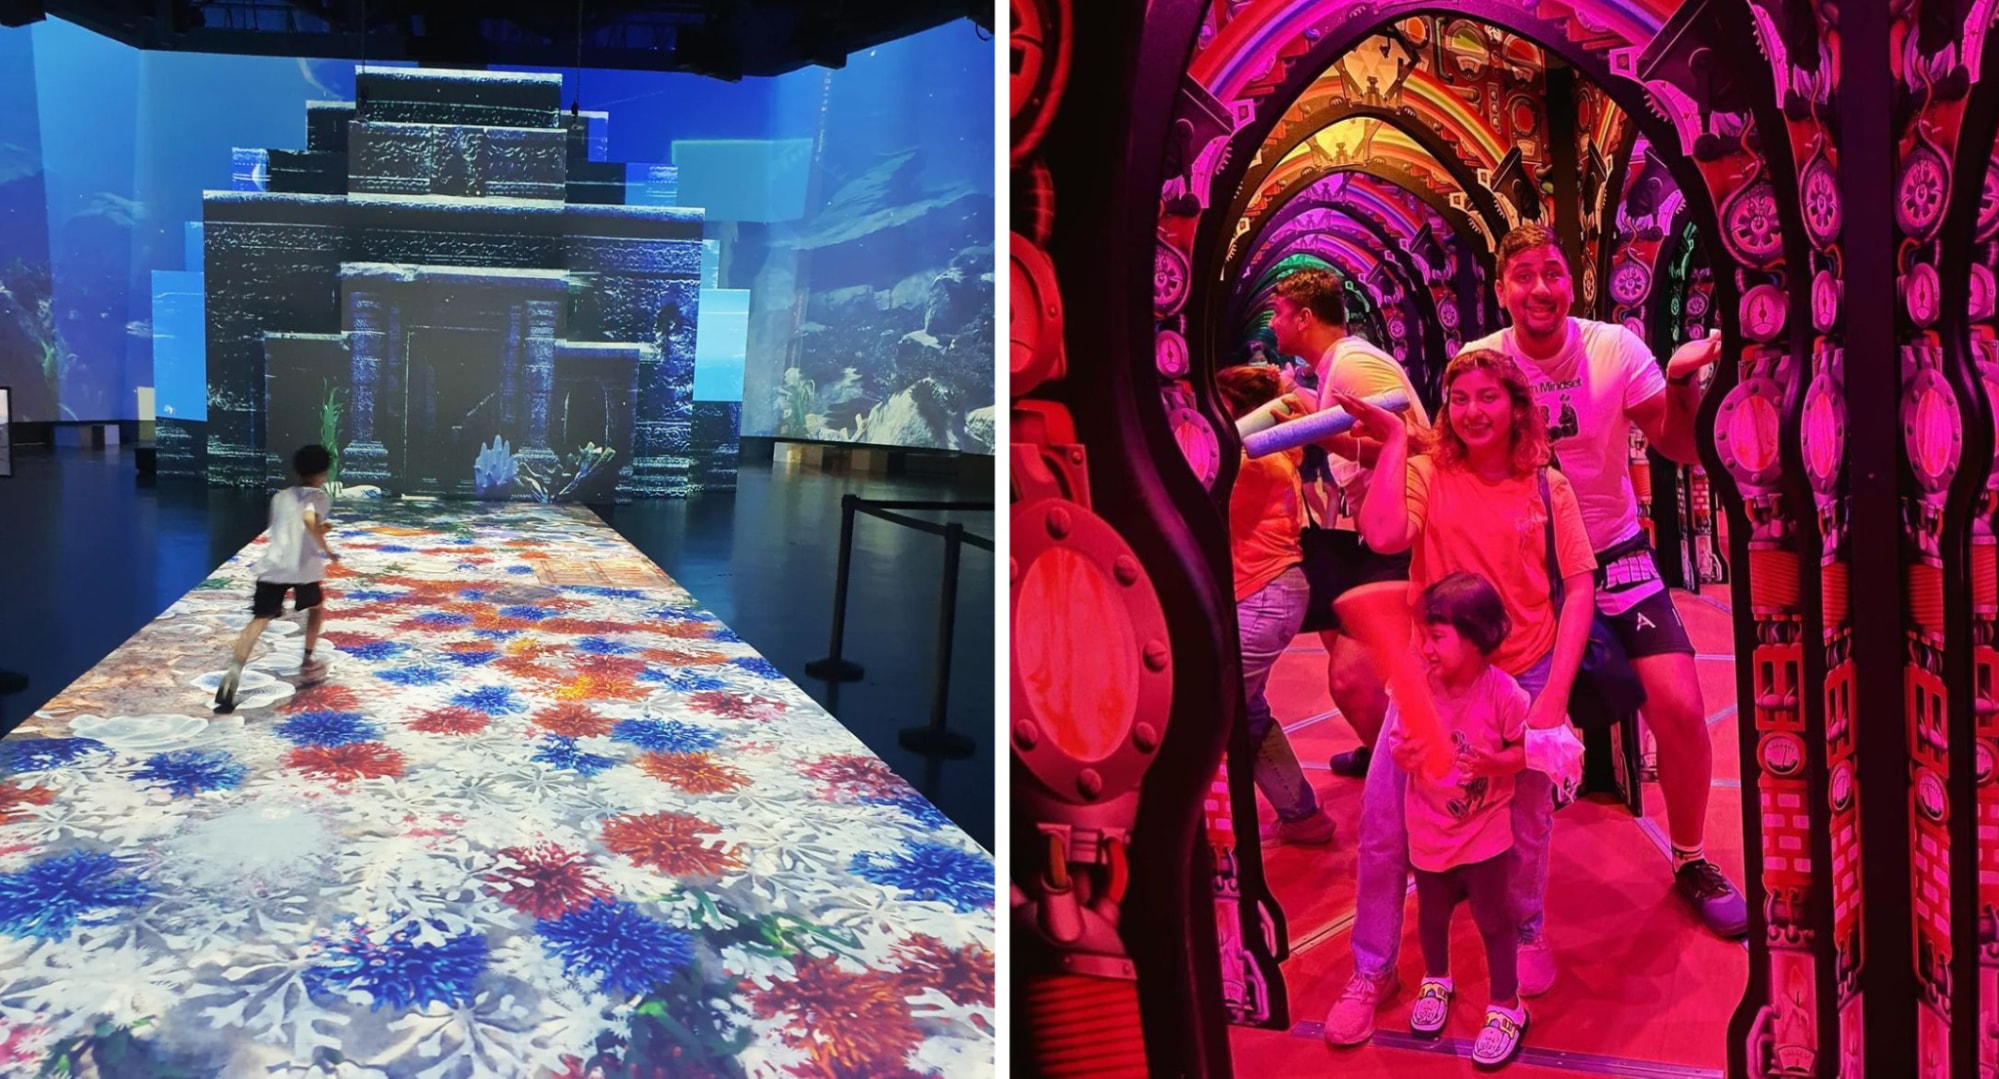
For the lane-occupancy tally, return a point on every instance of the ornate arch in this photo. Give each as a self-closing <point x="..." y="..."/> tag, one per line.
<point x="1456" y="223"/>
<point x="1426" y="226"/>
<point x="1457" y="179"/>
<point x="1708" y="107"/>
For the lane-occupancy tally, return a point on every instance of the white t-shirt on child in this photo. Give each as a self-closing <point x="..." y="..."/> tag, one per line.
<point x="292" y="557"/>
<point x="1586" y="394"/>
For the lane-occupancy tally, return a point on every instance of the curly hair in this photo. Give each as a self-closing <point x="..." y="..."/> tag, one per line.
<point x="1530" y="431"/>
<point x="1247" y="387"/>
<point x="1317" y="291"/>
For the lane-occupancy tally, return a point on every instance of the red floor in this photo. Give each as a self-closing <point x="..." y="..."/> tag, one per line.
<point x="1643" y="989"/>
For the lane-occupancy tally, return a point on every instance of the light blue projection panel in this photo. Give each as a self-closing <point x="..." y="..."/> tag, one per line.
<point x="721" y="341"/>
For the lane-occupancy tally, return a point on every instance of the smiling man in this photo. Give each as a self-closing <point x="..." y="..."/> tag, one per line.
<point x="1593" y="381"/>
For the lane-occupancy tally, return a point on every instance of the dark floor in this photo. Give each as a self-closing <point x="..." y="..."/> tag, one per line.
<point x="88" y="555"/>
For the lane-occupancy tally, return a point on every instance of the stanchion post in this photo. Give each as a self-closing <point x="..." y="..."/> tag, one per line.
<point x="834" y="668"/>
<point x="936" y="740"/>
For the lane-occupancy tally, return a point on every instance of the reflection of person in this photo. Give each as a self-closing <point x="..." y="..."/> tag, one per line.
<point x="1461" y="826"/>
<point x="1310" y="321"/>
<point x="294" y="561"/>
<point x="1476" y="504"/>
<point x="1265" y="511"/>
<point x="1593" y="381"/>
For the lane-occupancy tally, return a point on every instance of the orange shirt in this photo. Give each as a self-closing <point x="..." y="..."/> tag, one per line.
<point x="1265" y="516"/>
<point x="1499" y="531"/>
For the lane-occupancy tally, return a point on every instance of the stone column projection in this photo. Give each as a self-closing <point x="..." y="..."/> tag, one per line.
<point x="510" y="373"/>
<point x="650" y="476"/>
<point x="365" y="460"/>
<point x="540" y="381"/>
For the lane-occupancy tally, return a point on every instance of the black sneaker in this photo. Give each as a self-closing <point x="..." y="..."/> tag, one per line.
<point x="1352" y="764"/>
<point x="225" y="694"/>
<point x="1713" y="898"/>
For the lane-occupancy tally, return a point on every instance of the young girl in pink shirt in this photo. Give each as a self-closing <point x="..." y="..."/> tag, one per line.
<point x="1461" y="827"/>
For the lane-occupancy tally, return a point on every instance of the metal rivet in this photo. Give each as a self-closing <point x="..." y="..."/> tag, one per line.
<point x="1058" y="522"/>
<point x="1145" y="737"/>
<point x="1027" y="734"/>
<point x="1013" y="571"/>
<point x="1126" y="569"/>
<point x="1090" y="783"/>
<point x="1156" y="655"/>
<point x="1076" y="455"/>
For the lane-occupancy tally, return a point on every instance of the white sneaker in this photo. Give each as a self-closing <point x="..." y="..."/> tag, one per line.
<point x="1351" y="1020"/>
<point x="225" y="693"/>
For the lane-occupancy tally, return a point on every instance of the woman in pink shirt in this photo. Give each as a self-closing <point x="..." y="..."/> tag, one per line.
<point x="1461" y="824"/>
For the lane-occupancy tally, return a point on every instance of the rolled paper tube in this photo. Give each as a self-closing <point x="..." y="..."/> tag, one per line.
<point x="1378" y="616"/>
<point x="1263" y="419"/>
<point x="1319" y="425"/>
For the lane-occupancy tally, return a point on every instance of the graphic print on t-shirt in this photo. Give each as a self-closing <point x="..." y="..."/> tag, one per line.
<point x="1586" y="394"/>
<point x="1558" y="409"/>
<point x="1471" y="789"/>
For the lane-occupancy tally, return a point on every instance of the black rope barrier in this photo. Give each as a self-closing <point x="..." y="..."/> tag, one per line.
<point x="934" y="739"/>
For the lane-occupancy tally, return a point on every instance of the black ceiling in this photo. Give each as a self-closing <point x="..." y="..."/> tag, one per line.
<point x="727" y="39"/>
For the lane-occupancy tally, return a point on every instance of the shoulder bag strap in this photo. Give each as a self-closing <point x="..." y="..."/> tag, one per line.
<point x="1556" y="591"/>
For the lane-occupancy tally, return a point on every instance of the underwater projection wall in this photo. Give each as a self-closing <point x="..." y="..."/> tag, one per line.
<point x="872" y="318"/>
<point x="849" y="214"/>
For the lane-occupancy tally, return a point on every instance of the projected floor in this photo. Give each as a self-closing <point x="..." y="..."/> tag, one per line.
<point x="545" y="816"/>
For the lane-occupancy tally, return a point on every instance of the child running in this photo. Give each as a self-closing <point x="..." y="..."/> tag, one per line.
<point x="294" y="561"/>
<point x="1461" y="827"/>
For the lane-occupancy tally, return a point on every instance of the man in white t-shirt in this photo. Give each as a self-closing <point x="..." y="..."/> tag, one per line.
<point x="295" y="558"/>
<point x="1593" y="382"/>
<point x="1309" y="321"/>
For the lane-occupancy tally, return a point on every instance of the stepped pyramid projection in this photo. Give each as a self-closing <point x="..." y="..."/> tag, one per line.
<point x="447" y="280"/>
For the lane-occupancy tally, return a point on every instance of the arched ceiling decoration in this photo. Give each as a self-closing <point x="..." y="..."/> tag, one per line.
<point x="1417" y="94"/>
<point x="1333" y="226"/>
<point x="1423" y="236"/>
<point x="1245" y="50"/>
<point x="1384" y="150"/>
<point x="1453" y="205"/>
<point x="1438" y="247"/>
<point x="1360" y="140"/>
<point x="1476" y="91"/>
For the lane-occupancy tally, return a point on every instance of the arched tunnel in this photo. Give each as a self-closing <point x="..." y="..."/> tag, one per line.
<point x="1813" y="188"/>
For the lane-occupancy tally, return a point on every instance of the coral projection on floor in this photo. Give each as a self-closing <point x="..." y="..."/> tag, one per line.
<point x="522" y="828"/>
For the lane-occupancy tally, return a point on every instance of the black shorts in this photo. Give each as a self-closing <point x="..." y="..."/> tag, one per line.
<point x="1652" y="628"/>
<point x="1336" y="561"/>
<point x="269" y="601"/>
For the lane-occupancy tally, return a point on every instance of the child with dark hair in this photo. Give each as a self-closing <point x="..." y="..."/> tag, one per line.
<point x="294" y="561"/>
<point x="1461" y="826"/>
